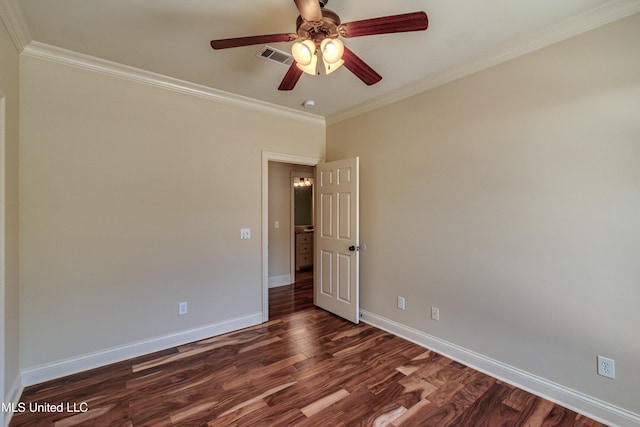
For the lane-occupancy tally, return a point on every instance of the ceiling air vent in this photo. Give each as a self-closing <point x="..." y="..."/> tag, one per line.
<point x="275" y="55"/>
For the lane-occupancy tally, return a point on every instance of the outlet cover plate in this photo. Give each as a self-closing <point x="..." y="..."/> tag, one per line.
<point x="606" y="367"/>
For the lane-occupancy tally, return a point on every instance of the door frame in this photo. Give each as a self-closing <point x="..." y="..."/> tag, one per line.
<point x="3" y="234"/>
<point x="269" y="156"/>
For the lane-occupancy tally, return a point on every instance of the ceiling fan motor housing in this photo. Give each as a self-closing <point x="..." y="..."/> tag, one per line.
<point x="318" y="31"/>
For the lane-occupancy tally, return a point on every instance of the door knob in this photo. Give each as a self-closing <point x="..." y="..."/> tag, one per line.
<point x="352" y="248"/>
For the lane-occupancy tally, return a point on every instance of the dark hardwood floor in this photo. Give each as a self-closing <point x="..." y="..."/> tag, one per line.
<point x="285" y="300"/>
<point x="304" y="367"/>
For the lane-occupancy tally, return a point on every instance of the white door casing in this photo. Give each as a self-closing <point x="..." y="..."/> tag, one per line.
<point x="336" y="264"/>
<point x="3" y="234"/>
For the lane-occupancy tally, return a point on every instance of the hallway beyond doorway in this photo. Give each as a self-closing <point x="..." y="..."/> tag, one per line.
<point x="288" y="299"/>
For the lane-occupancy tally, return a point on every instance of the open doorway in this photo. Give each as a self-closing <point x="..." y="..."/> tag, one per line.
<point x="302" y="220"/>
<point x="290" y="244"/>
<point x="279" y="229"/>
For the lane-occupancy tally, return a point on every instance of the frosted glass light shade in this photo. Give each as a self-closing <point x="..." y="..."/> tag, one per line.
<point x="330" y="68"/>
<point x="304" y="53"/>
<point x="332" y="51"/>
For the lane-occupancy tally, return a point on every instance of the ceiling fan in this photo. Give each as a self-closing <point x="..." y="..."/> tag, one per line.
<point x="318" y="31"/>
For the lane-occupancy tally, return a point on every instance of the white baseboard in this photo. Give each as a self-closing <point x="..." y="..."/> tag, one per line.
<point x="276" y="281"/>
<point x="571" y="399"/>
<point x="12" y="395"/>
<point x="85" y="362"/>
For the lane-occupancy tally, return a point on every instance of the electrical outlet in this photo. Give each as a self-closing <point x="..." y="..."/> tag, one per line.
<point x="401" y="303"/>
<point x="606" y="367"/>
<point x="245" y="233"/>
<point x="182" y="308"/>
<point x="435" y="313"/>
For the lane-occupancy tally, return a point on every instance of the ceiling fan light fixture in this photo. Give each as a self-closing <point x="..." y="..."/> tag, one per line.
<point x="317" y="35"/>
<point x="332" y="51"/>
<point x="304" y="53"/>
<point x="311" y="68"/>
<point x="330" y="68"/>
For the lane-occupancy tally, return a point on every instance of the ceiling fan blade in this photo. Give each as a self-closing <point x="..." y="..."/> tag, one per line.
<point x="415" y="21"/>
<point x="291" y="78"/>
<point x="358" y="67"/>
<point x="252" y="40"/>
<point x="309" y="10"/>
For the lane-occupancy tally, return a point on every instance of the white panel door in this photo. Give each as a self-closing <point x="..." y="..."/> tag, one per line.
<point x="336" y="272"/>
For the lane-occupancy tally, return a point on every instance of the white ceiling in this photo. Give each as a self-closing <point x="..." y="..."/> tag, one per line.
<point x="171" y="38"/>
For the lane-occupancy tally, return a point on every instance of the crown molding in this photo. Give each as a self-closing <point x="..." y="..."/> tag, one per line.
<point x="606" y="13"/>
<point x="86" y="62"/>
<point x="17" y="28"/>
<point x="19" y="32"/>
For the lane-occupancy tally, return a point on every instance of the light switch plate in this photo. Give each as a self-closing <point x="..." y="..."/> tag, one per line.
<point x="182" y="308"/>
<point x="245" y="233"/>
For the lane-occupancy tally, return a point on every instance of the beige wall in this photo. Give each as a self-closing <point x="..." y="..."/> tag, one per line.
<point x="510" y="199"/>
<point x="132" y="200"/>
<point x="9" y="290"/>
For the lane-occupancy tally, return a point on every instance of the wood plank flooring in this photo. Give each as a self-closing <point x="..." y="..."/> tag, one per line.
<point x="304" y="367"/>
